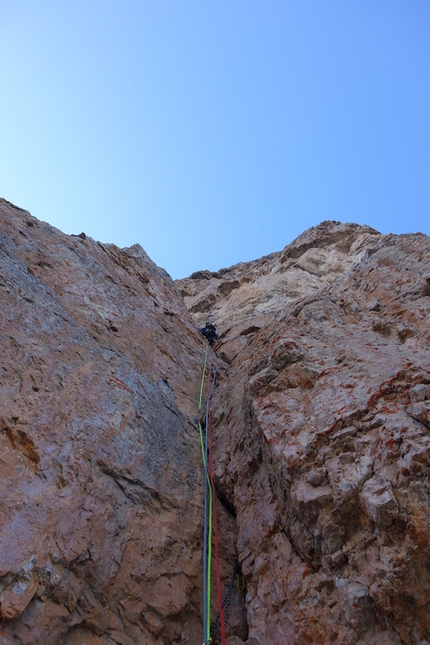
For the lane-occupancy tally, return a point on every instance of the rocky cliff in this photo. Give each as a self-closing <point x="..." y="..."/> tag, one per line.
<point x="321" y="419"/>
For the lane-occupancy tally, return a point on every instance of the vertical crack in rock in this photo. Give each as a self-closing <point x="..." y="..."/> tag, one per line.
<point x="321" y="446"/>
<point x="322" y="434"/>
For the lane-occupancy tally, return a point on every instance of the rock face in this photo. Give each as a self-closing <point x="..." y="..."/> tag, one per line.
<point x="323" y="443"/>
<point x="101" y="485"/>
<point x="321" y="417"/>
<point x="266" y="286"/>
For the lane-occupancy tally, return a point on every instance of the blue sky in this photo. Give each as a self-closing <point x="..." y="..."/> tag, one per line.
<point x="214" y="132"/>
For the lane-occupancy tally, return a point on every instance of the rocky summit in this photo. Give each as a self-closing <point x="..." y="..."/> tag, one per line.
<point x="320" y="418"/>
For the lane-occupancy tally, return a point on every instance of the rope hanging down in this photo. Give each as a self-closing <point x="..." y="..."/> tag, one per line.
<point x="237" y="571"/>
<point x="205" y="504"/>
<point x="210" y="523"/>
<point x="213" y="490"/>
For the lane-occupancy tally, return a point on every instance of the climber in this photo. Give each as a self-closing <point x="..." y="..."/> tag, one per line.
<point x="209" y="332"/>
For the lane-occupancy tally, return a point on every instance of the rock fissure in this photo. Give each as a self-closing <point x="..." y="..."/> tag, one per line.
<point x="321" y="451"/>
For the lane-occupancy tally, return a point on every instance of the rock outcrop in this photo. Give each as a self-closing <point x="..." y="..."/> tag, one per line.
<point x="321" y="418"/>
<point x="266" y="286"/>
<point x="101" y="485"/>
<point x="323" y="445"/>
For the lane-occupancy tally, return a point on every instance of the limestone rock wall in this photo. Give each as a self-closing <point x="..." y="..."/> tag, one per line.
<point x="100" y="476"/>
<point x="321" y="420"/>
<point x="323" y="445"/>
<point x="266" y="286"/>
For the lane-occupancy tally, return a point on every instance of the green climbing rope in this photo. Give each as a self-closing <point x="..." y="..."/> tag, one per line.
<point x="207" y="520"/>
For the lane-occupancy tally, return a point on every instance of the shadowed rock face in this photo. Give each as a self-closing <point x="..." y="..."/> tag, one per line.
<point x="101" y="487"/>
<point x="321" y="419"/>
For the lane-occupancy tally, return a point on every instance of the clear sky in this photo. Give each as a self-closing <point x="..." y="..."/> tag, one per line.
<point x="215" y="131"/>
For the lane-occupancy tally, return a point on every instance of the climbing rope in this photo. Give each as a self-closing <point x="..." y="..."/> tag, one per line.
<point x="210" y="522"/>
<point x="205" y="506"/>
<point x="216" y="540"/>
<point x="222" y="615"/>
<point x="211" y="506"/>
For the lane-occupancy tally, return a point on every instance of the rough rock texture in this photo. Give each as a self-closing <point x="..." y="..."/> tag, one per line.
<point x="321" y="418"/>
<point x="266" y="286"/>
<point x="100" y="478"/>
<point x="323" y="443"/>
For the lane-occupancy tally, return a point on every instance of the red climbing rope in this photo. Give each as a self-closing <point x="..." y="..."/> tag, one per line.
<point x="216" y="539"/>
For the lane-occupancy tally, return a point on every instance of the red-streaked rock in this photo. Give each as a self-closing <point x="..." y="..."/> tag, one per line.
<point x="328" y="446"/>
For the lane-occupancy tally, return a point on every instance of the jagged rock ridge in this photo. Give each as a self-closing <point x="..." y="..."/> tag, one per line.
<point x="265" y="286"/>
<point x="321" y="420"/>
